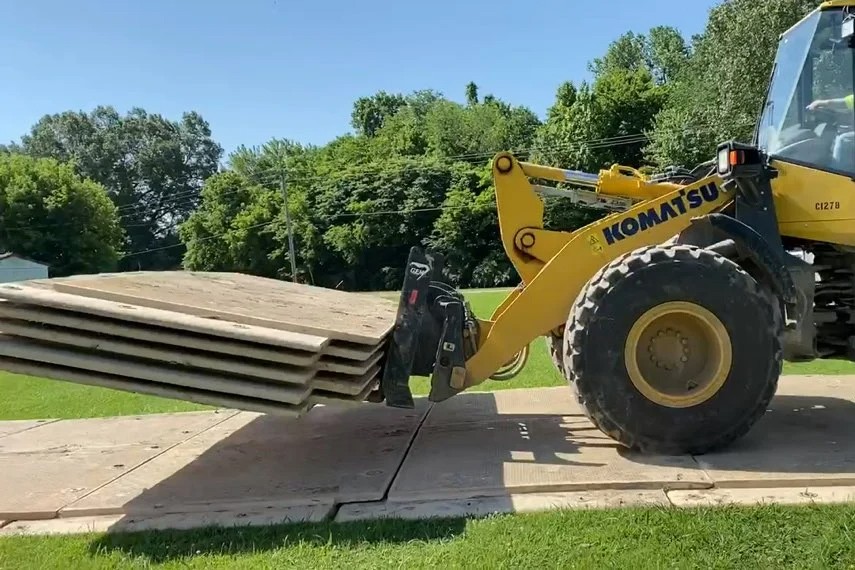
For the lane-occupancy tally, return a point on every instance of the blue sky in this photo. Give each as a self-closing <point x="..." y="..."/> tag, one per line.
<point x="256" y="69"/>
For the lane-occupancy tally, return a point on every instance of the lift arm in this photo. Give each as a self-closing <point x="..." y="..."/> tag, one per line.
<point x="458" y="350"/>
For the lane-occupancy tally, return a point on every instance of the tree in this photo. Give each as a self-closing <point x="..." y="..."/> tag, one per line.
<point x="662" y="51"/>
<point x="477" y="132"/>
<point x="467" y="233"/>
<point x="721" y="87"/>
<point x="240" y="224"/>
<point x="471" y="94"/>
<point x="153" y="169"/>
<point x="431" y="124"/>
<point x="627" y="53"/>
<point x="369" y="216"/>
<point x="598" y="124"/>
<point x="370" y="113"/>
<point x="605" y="123"/>
<point x="666" y="53"/>
<point x="233" y="228"/>
<point x="49" y="213"/>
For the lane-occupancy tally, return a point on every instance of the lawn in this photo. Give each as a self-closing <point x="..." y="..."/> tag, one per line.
<point x="728" y="537"/>
<point x="23" y="397"/>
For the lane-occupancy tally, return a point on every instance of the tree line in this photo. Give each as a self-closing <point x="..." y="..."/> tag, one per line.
<point x="101" y="191"/>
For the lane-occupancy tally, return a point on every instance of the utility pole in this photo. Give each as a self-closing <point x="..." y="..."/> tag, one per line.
<point x="283" y="187"/>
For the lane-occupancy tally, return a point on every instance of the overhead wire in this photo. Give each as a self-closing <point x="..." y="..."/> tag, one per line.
<point x="189" y="196"/>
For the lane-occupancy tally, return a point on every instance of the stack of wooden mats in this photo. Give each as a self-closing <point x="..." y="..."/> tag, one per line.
<point x="221" y="339"/>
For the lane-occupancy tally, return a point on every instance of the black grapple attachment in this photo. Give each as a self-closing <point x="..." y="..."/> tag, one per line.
<point x="435" y="333"/>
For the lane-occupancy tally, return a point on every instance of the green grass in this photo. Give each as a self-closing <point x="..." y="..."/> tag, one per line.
<point x="727" y="537"/>
<point x="24" y="397"/>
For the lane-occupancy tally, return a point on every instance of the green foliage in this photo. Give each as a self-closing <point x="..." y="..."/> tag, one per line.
<point x="49" y="213"/>
<point x="368" y="217"/>
<point x="232" y="229"/>
<point x="153" y="169"/>
<point x="663" y="52"/>
<point x="602" y="123"/>
<point x="718" y="93"/>
<point x="370" y="113"/>
<point x="433" y="125"/>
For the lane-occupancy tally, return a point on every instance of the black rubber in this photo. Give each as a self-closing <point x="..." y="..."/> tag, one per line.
<point x="618" y="295"/>
<point x="556" y="351"/>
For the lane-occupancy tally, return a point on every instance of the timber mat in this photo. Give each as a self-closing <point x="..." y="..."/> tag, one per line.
<point x="243" y="299"/>
<point x="218" y="339"/>
<point x="204" y="397"/>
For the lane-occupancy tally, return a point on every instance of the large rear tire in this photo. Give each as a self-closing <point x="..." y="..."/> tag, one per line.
<point x="673" y="349"/>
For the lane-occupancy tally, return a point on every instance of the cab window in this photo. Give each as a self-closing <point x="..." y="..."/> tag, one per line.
<point x="809" y="114"/>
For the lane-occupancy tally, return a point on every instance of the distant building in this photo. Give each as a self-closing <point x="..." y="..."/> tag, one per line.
<point x="14" y="267"/>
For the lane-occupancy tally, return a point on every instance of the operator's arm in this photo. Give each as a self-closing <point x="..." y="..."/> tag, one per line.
<point x="841" y="104"/>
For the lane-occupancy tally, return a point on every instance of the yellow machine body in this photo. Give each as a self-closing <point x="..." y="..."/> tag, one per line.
<point x="556" y="265"/>
<point x="811" y="204"/>
<point x="671" y="316"/>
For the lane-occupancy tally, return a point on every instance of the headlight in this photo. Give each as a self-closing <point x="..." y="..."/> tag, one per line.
<point x="723" y="160"/>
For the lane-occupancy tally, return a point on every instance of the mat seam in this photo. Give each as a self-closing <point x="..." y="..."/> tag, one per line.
<point x="337" y="505"/>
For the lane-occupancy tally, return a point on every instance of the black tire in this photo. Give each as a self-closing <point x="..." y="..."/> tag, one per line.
<point x="620" y="293"/>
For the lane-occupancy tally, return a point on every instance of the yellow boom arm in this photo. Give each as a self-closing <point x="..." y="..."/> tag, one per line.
<point x="555" y="265"/>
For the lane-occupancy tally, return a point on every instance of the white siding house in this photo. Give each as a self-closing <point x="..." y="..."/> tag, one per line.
<point x="13" y="267"/>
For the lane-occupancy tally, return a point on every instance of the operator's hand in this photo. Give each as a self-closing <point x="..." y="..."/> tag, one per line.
<point x="818" y="104"/>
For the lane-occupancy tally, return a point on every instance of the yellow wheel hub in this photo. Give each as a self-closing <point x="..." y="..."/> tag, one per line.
<point x="678" y="354"/>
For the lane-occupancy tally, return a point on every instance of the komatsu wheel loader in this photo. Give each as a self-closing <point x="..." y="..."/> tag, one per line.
<point x="671" y="316"/>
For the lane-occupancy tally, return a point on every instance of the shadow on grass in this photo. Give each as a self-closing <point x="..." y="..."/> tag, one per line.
<point x="168" y="545"/>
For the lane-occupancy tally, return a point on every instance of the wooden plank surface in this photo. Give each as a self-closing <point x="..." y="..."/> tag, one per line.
<point x="345" y="357"/>
<point x="244" y="299"/>
<point x="163" y="373"/>
<point x="207" y="398"/>
<point x="275" y="372"/>
<point x="151" y="372"/>
<point x="145" y="333"/>
<point x="33" y="294"/>
<point x="347" y="378"/>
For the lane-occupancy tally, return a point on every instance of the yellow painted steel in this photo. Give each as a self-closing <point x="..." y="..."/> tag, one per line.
<point x="555" y="268"/>
<point x="814" y="205"/>
<point x="833" y="4"/>
<point x="678" y="354"/>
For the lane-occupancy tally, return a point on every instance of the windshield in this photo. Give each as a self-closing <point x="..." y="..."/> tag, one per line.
<point x="809" y="105"/>
<point x="792" y="53"/>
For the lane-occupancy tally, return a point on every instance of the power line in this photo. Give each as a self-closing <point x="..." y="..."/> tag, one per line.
<point x="186" y="198"/>
<point x="328" y="218"/>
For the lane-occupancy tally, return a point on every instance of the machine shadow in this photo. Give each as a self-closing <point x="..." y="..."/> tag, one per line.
<point x="478" y="444"/>
<point x="797" y="435"/>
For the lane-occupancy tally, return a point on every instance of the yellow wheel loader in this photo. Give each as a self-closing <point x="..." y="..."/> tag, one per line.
<point x="671" y="316"/>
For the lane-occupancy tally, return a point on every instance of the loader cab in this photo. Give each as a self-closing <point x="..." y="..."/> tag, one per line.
<point x="808" y="117"/>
